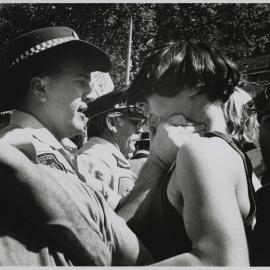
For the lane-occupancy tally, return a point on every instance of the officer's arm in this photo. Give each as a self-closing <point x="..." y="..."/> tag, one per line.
<point x="135" y="206"/>
<point x="162" y="155"/>
<point x="47" y="206"/>
<point x="99" y="176"/>
<point x="128" y="250"/>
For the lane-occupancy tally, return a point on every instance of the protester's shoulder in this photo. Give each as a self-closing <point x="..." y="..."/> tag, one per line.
<point x="204" y="150"/>
<point x="202" y="143"/>
<point x="205" y="161"/>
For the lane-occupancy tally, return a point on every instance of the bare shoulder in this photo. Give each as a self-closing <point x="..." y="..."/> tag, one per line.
<point x="208" y="159"/>
<point x="205" y="150"/>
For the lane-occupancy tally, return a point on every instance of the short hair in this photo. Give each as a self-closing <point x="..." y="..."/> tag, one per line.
<point x="168" y="70"/>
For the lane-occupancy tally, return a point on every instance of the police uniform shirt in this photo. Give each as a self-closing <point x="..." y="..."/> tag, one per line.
<point x="27" y="134"/>
<point x="37" y="142"/>
<point x="105" y="161"/>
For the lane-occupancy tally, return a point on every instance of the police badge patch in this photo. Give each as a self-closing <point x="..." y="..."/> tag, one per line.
<point x="126" y="184"/>
<point x="50" y="160"/>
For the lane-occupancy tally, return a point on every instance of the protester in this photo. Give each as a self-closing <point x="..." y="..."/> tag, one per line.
<point x="200" y="210"/>
<point x="56" y="218"/>
<point x="244" y="128"/>
<point x="241" y="126"/>
<point x="263" y="108"/>
<point x="112" y="131"/>
<point x="261" y="233"/>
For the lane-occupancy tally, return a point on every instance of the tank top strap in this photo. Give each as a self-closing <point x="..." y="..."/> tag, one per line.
<point x="166" y="179"/>
<point x="248" y="169"/>
<point x="160" y="202"/>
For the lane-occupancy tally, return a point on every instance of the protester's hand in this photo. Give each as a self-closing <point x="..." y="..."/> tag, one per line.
<point x="170" y="136"/>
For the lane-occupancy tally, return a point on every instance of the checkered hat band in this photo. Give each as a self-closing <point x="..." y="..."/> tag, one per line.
<point x="130" y="108"/>
<point x="41" y="47"/>
<point x="117" y="110"/>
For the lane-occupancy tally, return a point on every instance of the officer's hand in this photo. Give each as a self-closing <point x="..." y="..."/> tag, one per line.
<point x="170" y="136"/>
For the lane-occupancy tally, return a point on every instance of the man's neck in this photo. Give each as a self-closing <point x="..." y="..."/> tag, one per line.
<point x="108" y="137"/>
<point x="41" y="117"/>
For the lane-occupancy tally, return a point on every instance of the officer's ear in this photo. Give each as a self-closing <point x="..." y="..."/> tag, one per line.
<point x="110" y="123"/>
<point x="113" y="122"/>
<point x="38" y="89"/>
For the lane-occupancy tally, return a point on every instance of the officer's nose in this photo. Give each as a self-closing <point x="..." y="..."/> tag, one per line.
<point x="83" y="107"/>
<point x="89" y="98"/>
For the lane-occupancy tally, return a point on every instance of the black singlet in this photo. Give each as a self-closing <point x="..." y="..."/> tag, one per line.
<point x="164" y="232"/>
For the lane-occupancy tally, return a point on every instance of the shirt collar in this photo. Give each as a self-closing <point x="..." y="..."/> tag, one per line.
<point x="27" y="120"/>
<point x="69" y="145"/>
<point x="121" y="160"/>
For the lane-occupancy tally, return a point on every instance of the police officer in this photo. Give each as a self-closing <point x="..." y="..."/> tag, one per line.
<point x="113" y="129"/>
<point x="49" y="73"/>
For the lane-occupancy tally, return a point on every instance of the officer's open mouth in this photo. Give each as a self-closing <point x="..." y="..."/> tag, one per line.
<point x="82" y="109"/>
<point x="82" y="112"/>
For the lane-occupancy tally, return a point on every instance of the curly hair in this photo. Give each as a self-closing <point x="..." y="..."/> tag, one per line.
<point x="242" y="126"/>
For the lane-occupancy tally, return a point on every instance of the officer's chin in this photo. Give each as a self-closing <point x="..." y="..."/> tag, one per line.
<point x="79" y="128"/>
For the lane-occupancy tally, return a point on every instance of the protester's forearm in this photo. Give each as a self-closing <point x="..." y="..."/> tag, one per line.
<point x="214" y="257"/>
<point x="49" y="208"/>
<point x="137" y="202"/>
<point x="185" y="259"/>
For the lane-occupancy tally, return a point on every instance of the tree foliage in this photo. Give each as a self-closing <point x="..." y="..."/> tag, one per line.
<point x="240" y="29"/>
